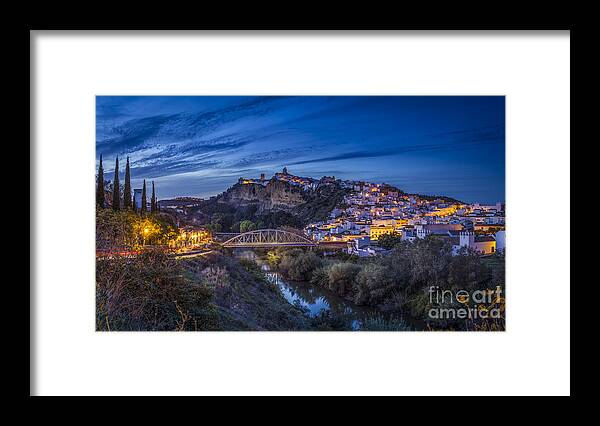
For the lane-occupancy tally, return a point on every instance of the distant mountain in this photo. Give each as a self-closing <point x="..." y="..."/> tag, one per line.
<point x="180" y="202"/>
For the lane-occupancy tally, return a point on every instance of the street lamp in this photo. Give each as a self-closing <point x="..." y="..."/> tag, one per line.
<point x="146" y="230"/>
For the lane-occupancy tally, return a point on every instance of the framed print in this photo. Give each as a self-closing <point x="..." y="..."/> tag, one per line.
<point x="370" y="213"/>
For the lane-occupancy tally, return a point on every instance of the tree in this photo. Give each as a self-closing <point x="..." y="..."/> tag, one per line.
<point x="388" y="241"/>
<point x="375" y="284"/>
<point x="341" y="277"/>
<point x="214" y="227"/>
<point x="127" y="188"/>
<point x="299" y="265"/>
<point x="153" y="200"/>
<point x="116" y="204"/>
<point x="246" y="226"/>
<point x="100" y="187"/>
<point x="143" y="208"/>
<point x="225" y="220"/>
<point x="134" y="204"/>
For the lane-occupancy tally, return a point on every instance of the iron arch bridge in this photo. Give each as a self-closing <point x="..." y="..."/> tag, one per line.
<point x="264" y="238"/>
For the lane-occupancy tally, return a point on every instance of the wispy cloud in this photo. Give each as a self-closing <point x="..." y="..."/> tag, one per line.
<point x="176" y="138"/>
<point x="458" y="140"/>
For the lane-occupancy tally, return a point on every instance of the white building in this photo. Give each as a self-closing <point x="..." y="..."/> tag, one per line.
<point x="482" y="244"/>
<point x="409" y="234"/>
<point x="358" y="246"/>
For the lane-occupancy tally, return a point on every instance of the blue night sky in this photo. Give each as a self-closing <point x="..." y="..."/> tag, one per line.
<point x="201" y="145"/>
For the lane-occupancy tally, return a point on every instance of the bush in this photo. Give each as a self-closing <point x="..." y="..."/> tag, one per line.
<point x="273" y="258"/>
<point x="388" y="241"/>
<point x="400" y="282"/>
<point x="246" y="226"/>
<point x="341" y="277"/>
<point x="298" y="265"/>
<point x="150" y="292"/>
<point x="374" y="285"/>
<point x="320" y="277"/>
<point x="378" y="323"/>
<point x="326" y="321"/>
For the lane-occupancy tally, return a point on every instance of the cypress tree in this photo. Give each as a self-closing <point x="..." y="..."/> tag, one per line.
<point x="153" y="200"/>
<point x="100" y="185"/>
<point x="134" y="205"/>
<point x="127" y="188"/>
<point x="116" y="188"/>
<point x="143" y="208"/>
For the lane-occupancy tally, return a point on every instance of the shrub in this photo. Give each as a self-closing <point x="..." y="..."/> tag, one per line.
<point x="341" y="277"/>
<point x="468" y="272"/>
<point x="299" y="265"/>
<point x="320" y="277"/>
<point x="247" y="225"/>
<point x="388" y="241"/>
<point x="326" y="321"/>
<point x="374" y="285"/>
<point x="273" y="258"/>
<point x="150" y="292"/>
<point x="379" y="323"/>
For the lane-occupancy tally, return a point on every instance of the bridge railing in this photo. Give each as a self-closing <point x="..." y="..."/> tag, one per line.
<point x="269" y="238"/>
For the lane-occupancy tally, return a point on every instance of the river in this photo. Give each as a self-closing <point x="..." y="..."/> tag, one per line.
<point x="312" y="298"/>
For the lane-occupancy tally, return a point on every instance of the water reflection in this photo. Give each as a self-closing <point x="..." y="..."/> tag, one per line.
<point x="312" y="299"/>
<point x="303" y="296"/>
<point x="315" y="300"/>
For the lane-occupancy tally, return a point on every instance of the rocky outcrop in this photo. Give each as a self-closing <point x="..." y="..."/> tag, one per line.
<point x="273" y="203"/>
<point x="275" y="195"/>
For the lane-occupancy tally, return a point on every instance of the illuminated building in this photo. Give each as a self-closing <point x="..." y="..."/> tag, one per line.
<point x="437" y="229"/>
<point x="377" y="231"/>
<point x="489" y="228"/>
<point x="482" y="244"/>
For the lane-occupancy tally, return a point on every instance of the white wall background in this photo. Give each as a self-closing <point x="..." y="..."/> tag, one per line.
<point x="70" y="69"/>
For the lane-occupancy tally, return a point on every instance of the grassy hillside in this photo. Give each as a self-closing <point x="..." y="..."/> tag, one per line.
<point x="155" y="292"/>
<point x="244" y="299"/>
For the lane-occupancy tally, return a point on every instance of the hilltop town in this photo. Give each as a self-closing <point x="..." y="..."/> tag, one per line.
<point x="359" y="216"/>
<point x="372" y="210"/>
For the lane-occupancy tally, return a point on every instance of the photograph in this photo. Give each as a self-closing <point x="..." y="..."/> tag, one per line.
<point x="300" y="213"/>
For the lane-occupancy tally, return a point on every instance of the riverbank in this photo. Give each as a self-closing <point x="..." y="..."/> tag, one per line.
<point x="326" y="309"/>
<point x="294" y="290"/>
<point x="243" y="296"/>
<point x="399" y="285"/>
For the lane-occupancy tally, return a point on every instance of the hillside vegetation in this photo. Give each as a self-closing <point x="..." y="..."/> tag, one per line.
<point x="226" y="212"/>
<point x="156" y="292"/>
<point x="399" y="283"/>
